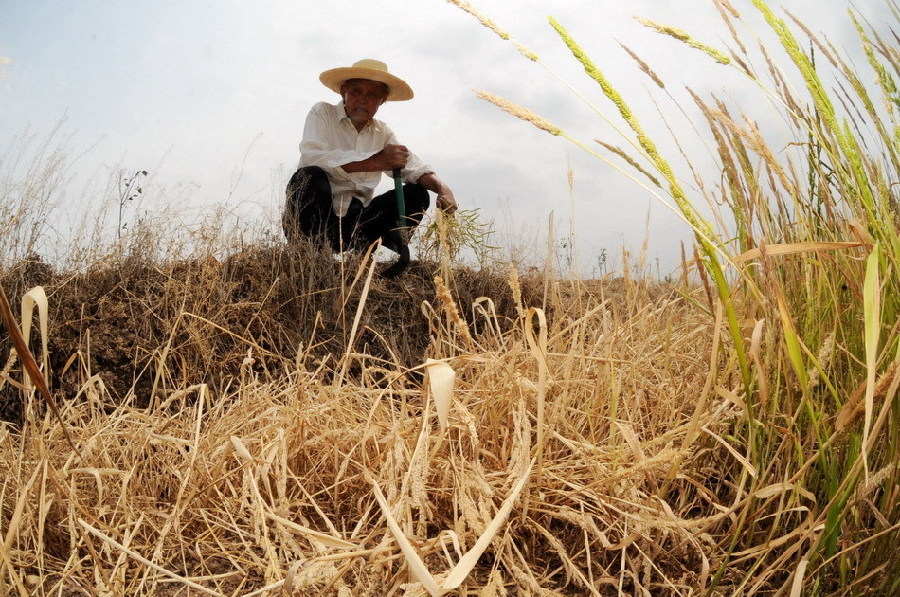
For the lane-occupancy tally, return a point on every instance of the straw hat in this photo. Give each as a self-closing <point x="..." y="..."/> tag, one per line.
<point x="373" y="70"/>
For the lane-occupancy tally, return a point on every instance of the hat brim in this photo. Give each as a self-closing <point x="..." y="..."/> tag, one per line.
<point x="398" y="90"/>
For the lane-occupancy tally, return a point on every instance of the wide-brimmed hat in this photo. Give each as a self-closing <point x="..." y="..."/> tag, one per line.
<point x="373" y="70"/>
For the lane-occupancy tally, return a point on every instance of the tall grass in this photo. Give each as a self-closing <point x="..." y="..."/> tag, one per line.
<point x="805" y="272"/>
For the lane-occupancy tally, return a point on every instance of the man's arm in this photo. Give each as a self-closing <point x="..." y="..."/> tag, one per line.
<point x="445" y="199"/>
<point x="395" y="156"/>
<point x="392" y="156"/>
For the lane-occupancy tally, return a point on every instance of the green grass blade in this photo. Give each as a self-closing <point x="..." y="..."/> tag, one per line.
<point x="872" y="317"/>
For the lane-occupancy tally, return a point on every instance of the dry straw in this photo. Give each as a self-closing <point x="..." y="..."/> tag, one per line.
<point x="684" y="37"/>
<point x="286" y="480"/>
<point x="520" y="112"/>
<point x="264" y="431"/>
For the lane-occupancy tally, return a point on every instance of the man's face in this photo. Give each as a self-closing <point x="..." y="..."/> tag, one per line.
<point x="362" y="98"/>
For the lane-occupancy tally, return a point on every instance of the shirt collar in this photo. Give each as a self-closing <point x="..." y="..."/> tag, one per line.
<point x="342" y="115"/>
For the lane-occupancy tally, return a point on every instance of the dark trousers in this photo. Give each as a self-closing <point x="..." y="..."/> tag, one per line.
<point x="308" y="212"/>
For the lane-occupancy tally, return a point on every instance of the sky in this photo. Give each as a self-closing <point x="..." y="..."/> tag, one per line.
<point x="209" y="97"/>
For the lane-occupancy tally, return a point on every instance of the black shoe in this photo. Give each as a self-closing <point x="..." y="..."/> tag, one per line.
<point x="399" y="266"/>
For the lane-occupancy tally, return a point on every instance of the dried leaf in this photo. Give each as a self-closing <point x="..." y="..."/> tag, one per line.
<point x="241" y="449"/>
<point x="413" y="560"/>
<point x="324" y="539"/>
<point x="793" y="249"/>
<point x="441" y="379"/>
<point x="36" y="297"/>
<point x="470" y="558"/>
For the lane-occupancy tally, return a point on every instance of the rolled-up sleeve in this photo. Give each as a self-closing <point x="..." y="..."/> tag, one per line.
<point x="415" y="167"/>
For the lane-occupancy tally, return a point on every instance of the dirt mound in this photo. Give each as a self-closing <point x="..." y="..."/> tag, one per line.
<point x="148" y="328"/>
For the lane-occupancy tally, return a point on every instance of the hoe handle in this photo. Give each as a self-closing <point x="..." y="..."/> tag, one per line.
<point x="398" y="236"/>
<point x="401" y="201"/>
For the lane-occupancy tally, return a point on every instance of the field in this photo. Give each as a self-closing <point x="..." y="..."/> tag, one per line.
<point x="266" y="420"/>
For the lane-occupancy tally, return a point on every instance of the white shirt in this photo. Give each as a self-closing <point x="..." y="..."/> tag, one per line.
<point x="330" y="140"/>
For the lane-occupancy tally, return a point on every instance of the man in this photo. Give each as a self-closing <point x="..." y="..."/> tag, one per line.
<point x="343" y="155"/>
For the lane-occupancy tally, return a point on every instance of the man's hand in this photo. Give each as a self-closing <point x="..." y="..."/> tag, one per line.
<point x="392" y="156"/>
<point x="446" y="201"/>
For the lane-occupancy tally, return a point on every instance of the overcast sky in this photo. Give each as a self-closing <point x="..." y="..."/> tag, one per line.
<point x="210" y="98"/>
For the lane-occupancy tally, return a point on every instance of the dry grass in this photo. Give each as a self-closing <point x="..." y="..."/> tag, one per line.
<point x="272" y="478"/>
<point x="270" y="421"/>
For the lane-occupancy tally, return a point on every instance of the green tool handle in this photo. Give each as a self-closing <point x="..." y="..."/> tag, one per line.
<point x="401" y="201"/>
